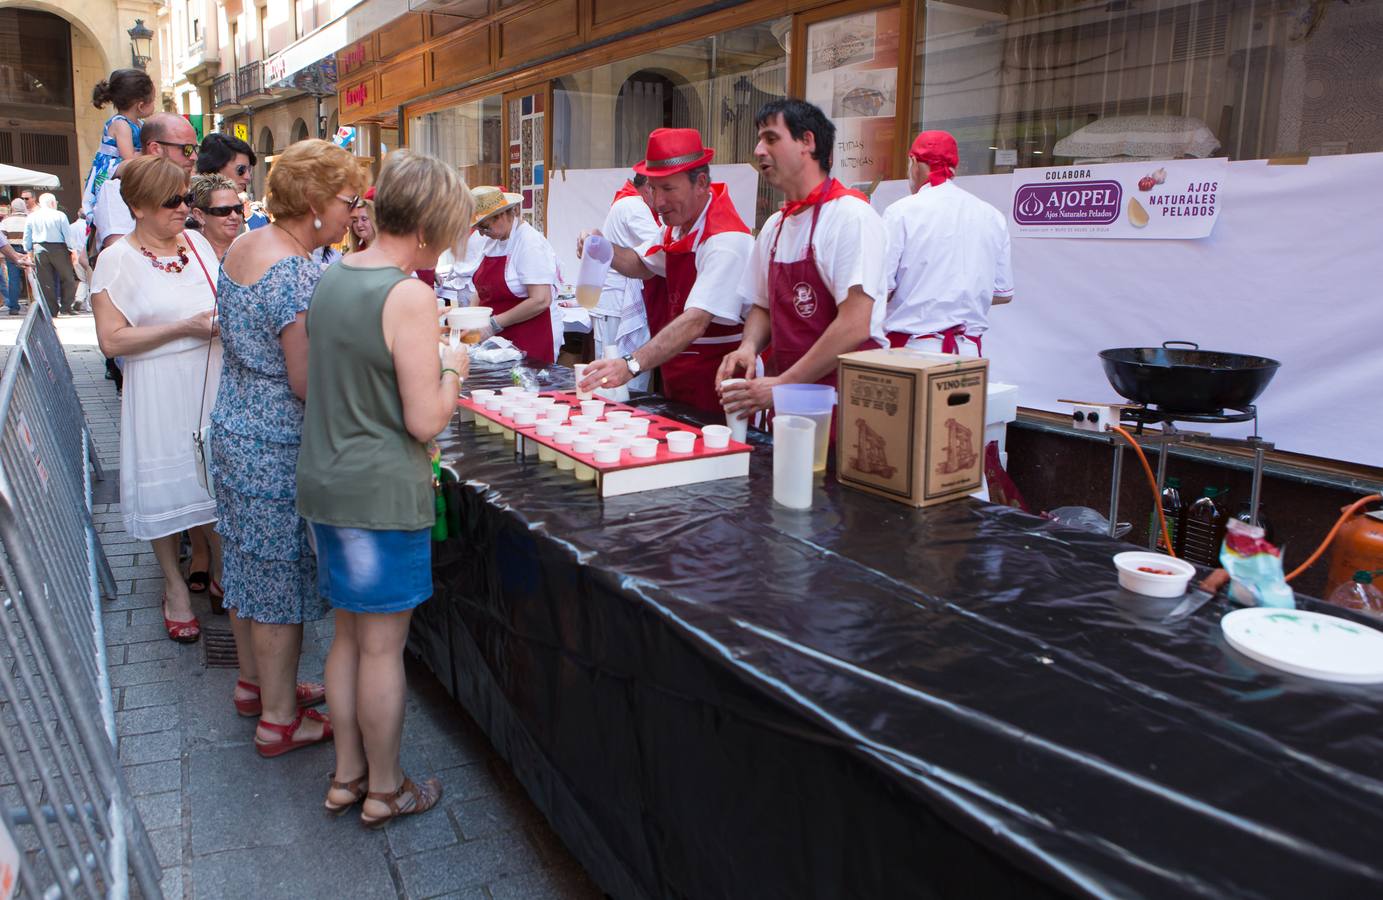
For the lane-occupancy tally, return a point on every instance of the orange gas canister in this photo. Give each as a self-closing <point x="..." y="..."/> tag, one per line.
<point x="1357" y="547"/>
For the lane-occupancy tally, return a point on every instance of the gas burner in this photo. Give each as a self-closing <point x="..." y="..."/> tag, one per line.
<point x="1151" y="415"/>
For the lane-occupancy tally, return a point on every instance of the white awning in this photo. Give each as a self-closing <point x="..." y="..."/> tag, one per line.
<point x="365" y="17"/>
<point x="27" y="177"/>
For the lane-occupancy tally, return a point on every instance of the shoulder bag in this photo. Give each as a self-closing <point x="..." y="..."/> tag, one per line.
<point x="201" y="437"/>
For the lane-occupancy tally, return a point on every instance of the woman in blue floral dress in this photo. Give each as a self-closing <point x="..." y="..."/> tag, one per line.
<point x="270" y="572"/>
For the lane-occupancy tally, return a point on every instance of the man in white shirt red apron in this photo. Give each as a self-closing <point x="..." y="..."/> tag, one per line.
<point x="816" y="277"/>
<point x="948" y="256"/>
<point x="695" y="314"/>
<point x="619" y="322"/>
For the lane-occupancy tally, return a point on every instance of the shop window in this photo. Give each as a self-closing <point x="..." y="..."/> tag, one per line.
<point x="1051" y="82"/>
<point x="602" y="116"/>
<point x="527" y="125"/>
<point x="852" y="74"/>
<point x="466" y="136"/>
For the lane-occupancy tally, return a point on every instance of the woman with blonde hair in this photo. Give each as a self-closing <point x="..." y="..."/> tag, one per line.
<point x="377" y="394"/>
<point x="216" y="211"/>
<point x="362" y="223"/>
<point x="152" y="297"/>
<point x="270" y="579"/>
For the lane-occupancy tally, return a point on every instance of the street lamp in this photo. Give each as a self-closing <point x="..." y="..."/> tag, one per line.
<point x="141" y="44"/>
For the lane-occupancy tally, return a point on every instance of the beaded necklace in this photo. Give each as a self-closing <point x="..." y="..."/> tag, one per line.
<point x="171" y="267"/>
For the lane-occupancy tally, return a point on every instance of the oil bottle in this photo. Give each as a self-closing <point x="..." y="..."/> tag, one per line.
<point x="1173" y="510"/>
<point x="1204" y="529"/>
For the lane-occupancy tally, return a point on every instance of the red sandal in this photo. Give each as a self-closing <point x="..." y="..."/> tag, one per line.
<point x="310" y="693"/>
<point x="286" y="743"/>
<point x="182" y="632"/>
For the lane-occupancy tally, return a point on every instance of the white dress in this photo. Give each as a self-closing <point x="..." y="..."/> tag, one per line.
<point x="159" y="491"/>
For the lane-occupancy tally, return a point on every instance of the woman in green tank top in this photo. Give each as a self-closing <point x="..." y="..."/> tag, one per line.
<point x="376" y="393"/>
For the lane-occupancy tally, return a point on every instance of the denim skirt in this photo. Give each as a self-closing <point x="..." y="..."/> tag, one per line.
<point x="362" y="570"/>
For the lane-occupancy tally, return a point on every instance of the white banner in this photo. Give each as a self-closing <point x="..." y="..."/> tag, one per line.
<point x="1290" y="273"/>
<point x="1172" y="199"/>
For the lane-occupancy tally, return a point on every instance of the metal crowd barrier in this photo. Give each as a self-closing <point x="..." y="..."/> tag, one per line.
<point x="63" y="798"/>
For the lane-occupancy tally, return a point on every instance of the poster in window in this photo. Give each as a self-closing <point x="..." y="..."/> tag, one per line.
<point x="852" y="74"/>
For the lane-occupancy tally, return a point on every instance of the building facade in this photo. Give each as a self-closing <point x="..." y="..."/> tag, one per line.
<point x="51" y="56"/>
<point x="511" y="90"/>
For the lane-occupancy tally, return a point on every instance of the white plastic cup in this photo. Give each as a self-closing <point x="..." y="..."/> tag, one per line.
<point x="525" y="416"/>
<point x="493" y="403"/>
<point x="794" y="445"/>
<point x="543" y="402"/>
<point x="583" y="422"/>
<point x="593" y="408"/>
<point x="644" y="448"/>
<point x="716" y="437"/>
<point x="506" y="409"/>
<point x="545" y="429"/>
<point x="480" y="395"/>
<point x="636" y="427"/>
<point x="579" y="372"/>
<point x="584" y="444"/>
<point x="618" y="416"/>
<point x="563" y="436"/>
<point x="607" y="453"/>
<point x="681" y="441"/>
<point x="625" y="441"/>
<point x="511" y="391"/>
<point x="738" y="422"/>
<point x="556" y="414"/>
<point x="602" y="429"/>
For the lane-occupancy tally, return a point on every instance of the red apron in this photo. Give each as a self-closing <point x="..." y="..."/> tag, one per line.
<point x="690" y="376"/>
<point x="950" y="339"/>
<point x="801" y="306"/>
<point x="533" y="337"/>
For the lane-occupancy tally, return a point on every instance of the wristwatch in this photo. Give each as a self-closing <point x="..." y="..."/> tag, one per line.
<point x="495" y="327"/>
<point x="633" y="364"/>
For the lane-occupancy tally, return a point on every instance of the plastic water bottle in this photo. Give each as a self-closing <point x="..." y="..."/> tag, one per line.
<point x="1360" y="593"/>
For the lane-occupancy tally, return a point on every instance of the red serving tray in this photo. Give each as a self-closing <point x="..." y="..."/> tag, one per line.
<point x="658" y="428"/>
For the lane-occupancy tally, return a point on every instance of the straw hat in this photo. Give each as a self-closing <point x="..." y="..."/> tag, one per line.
<point x="673" y="150"/>
<point x="491" y="201"/>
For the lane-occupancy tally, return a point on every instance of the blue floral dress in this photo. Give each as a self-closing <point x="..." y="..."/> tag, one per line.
<point x="270" y="572"/>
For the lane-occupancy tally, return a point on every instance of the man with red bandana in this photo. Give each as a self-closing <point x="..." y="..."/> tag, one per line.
<point x="693" y="308"/>
<point x="948" y="256"/>
<point x="816" y="279"/>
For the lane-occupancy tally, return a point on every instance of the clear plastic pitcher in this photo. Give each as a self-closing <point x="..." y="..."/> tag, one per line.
<point x="596" y="254"/>
<point x="811" y="401"/>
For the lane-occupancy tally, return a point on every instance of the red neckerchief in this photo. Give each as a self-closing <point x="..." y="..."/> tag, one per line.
<point x="720" y="219"/>
<point x="630" y="191"/>
<point x="825" y="192"/>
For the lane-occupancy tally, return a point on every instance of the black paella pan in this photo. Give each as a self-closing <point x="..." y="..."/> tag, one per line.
<point x="1180" y="377"/>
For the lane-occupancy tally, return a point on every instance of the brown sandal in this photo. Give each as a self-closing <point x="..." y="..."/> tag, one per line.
<point x="357" y="787"/>
<point x="424" y="798"/>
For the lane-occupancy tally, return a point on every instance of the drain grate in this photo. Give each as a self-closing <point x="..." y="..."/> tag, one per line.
<point x="218" y="648"/>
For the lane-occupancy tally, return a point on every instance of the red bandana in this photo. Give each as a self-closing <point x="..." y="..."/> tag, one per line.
<point x="720" y="218"/>
<point x="825" y="192"/>
<point x="938" y="150"/>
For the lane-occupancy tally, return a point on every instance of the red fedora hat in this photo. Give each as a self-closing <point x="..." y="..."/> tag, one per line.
<point x="673" y="150"/>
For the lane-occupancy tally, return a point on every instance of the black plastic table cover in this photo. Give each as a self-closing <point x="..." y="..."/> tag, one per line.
<point x="712" y="696"/>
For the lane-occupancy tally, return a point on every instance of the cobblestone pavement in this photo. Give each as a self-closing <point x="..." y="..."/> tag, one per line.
<point x="227" y="823"/>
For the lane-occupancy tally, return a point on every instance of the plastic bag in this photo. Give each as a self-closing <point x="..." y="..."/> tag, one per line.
<point x="1254" y="567"/>
<point x="495" y="350"/>
<point x="1086" y="519"/>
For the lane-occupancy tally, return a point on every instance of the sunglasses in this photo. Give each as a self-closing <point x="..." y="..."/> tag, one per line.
<point x="188" y="150"/>
<point x="241" y="170"/>
<point x="221" y="212"/>
<point x="178" y="200"/>
<point x="351" y="202"/>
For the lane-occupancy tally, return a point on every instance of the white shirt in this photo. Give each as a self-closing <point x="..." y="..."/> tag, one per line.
<point x="948" y="258"/>
<point x="850" y="248"/>
<point x="629" y="223"/>
<point x="531" y="260"/>
<point x="720" y="265"/>
<point x="111" y="215"/>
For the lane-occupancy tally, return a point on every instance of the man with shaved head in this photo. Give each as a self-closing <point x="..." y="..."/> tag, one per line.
<point x="163" y="134"/>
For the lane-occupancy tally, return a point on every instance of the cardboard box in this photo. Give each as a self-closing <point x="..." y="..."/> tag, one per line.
<point x="910" y="425"/>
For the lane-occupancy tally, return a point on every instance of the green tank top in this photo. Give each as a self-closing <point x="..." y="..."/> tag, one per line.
<point x="358" y="466"/>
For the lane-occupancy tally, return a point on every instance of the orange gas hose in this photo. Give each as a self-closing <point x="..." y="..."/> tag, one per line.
<point x="1349" y="511"/>
<point x="1152" y="483"/>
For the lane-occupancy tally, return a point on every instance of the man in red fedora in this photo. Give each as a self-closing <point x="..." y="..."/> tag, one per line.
<point x="816" y="278"/>
<point x="694" y="311"/>
<point x="948" y="256"/>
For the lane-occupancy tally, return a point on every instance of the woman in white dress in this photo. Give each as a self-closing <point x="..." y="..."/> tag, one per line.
<point x="153" y="300"/>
